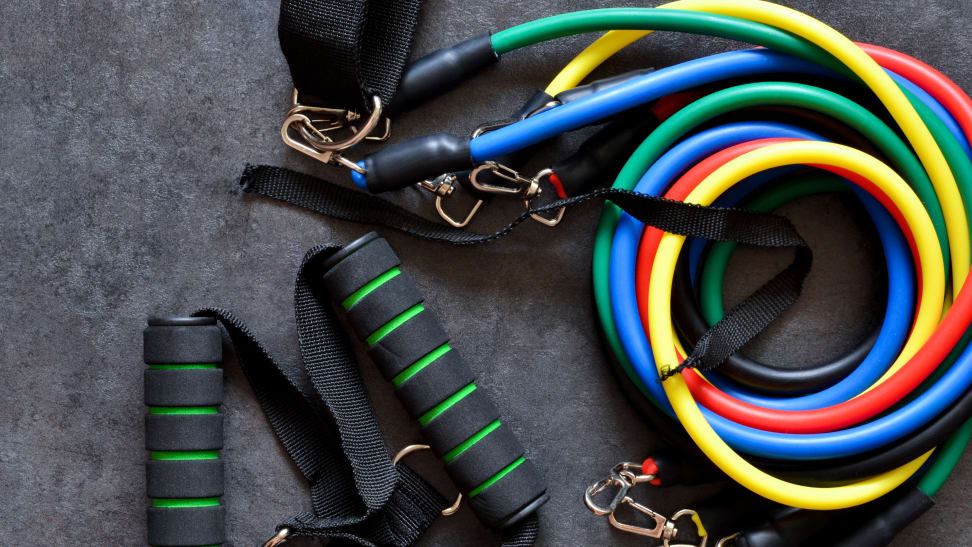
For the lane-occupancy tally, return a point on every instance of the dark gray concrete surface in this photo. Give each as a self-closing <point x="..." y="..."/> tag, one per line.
<point x="123" y="129"/>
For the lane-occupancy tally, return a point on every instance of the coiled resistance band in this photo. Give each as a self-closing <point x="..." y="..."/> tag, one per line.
<point x="928" y="157"/>
<point x="912" y="387"/>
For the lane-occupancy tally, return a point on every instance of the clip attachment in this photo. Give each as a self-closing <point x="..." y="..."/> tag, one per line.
<point x="448" y="511"/>
<point x="625" y="476"/>
<point x="443" y="186"/>
<point x="305" y="130"/>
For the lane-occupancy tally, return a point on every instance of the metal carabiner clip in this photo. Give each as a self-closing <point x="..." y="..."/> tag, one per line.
<point x="521" y="186"/>
<point x="443" y="186"/>
<point x="305" y="121"/>
<point x="625" y="476"/>
<point x="600" y="486"/>
<point x="546" y="221"/>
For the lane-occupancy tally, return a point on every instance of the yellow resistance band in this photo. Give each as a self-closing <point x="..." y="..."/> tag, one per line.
<point x="660" y="320"/>
<point x="845" y="51"/>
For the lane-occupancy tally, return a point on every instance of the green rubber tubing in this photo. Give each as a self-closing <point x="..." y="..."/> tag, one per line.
<point x="745" y="31"/>
<point x="734" y="98"/>
<point x="692" y="22"/>
<point x="947" y="457"/>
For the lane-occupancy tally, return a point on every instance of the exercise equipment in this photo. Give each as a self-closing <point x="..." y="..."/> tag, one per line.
<point x="874" y="422"/>
<point x="184" y="431"/>
<point x="411" y="349"/>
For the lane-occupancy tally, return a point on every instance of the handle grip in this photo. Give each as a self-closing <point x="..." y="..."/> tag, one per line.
<point x="408" y="344"/>
<point x="184" y="431"/>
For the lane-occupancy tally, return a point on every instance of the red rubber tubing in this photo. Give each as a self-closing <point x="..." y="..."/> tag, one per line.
<point x="938" y="85"/>
<point x="652" y="236"/>
<point x="835" y="417"/>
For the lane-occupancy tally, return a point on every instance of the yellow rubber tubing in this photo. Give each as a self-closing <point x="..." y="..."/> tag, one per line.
<point x="855" y="59"/>
<point x="660" y="320"/>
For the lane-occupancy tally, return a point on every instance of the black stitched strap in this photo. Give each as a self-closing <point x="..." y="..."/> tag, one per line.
<point x="343" y="52"/>
<point x="739" y="326"/>
<point x="748" y="318"/>
<point x="523" y="534"/>
<point x="331" y="200"/>
<point x="322" y="415"/>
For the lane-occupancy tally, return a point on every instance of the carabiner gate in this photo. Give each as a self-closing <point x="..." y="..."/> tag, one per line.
<point x="310" y="123"/>
<point x="625" y="476"/>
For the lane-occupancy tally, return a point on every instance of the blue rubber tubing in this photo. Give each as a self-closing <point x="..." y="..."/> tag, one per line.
<point x="778" y="445"/>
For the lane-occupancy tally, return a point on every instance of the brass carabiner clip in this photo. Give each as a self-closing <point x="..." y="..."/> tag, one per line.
<point x="305" y="128"/>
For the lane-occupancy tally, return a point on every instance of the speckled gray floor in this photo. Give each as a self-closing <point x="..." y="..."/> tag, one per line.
<point x="123" y="129"/>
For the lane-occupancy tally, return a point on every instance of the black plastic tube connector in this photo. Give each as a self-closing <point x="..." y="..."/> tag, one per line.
<point x="596" y="86"/>
<point x="442" y="71"/>
<point x="401" y="165"/>
<point x="601" y="157"/>
<point x="881" y="529"/>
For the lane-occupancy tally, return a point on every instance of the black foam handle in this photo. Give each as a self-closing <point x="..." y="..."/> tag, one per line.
<point x="186" y="526"/>
<point x="411" y="349"/>
<point x="184" y="431"/>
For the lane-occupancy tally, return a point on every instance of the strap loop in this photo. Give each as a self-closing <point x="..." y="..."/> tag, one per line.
<point x="739" y="326"/>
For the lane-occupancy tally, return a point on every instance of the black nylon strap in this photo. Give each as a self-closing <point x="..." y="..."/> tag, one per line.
<point x="523" y="534"/>
<point x="740" y="325"/>
<point x="324" y="418"/>
<point x="328" y="199"/>
<point x="748" y="318"/>
<point x="343" y="52"/>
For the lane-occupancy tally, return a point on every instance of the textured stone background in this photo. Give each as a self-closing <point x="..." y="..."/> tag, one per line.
<point x="123" y="129"/>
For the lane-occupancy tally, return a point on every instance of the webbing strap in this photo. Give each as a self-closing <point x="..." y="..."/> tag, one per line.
<point x="739" y="326"/>
<point x="343" y="52"/>
<point x="322" y="415"/>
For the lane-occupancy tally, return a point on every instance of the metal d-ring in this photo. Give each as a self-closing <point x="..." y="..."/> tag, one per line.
<point x="443" y="186"/>
<point x="281" y="536"/>
<point x="448" y="511"/>
<point x="546" y="221"/>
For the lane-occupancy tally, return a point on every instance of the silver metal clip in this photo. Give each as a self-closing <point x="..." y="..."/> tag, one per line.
<point x="521" y="187"/>
<point x="624" y="477"/>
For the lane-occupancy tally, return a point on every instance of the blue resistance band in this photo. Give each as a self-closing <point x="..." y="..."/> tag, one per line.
<point x="733" y="196"/>
<point x="901" y="292"/>
<point x="770" y="444"/>
<point x="815" y="446"/>
<point x="635" y="92"/>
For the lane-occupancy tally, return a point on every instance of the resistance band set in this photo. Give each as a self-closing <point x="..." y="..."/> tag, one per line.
<point x="690" y="160"/>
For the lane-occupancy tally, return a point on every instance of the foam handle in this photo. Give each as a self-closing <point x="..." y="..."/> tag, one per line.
<point x="184" y="432"/>
<point x="407" y="342"/>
